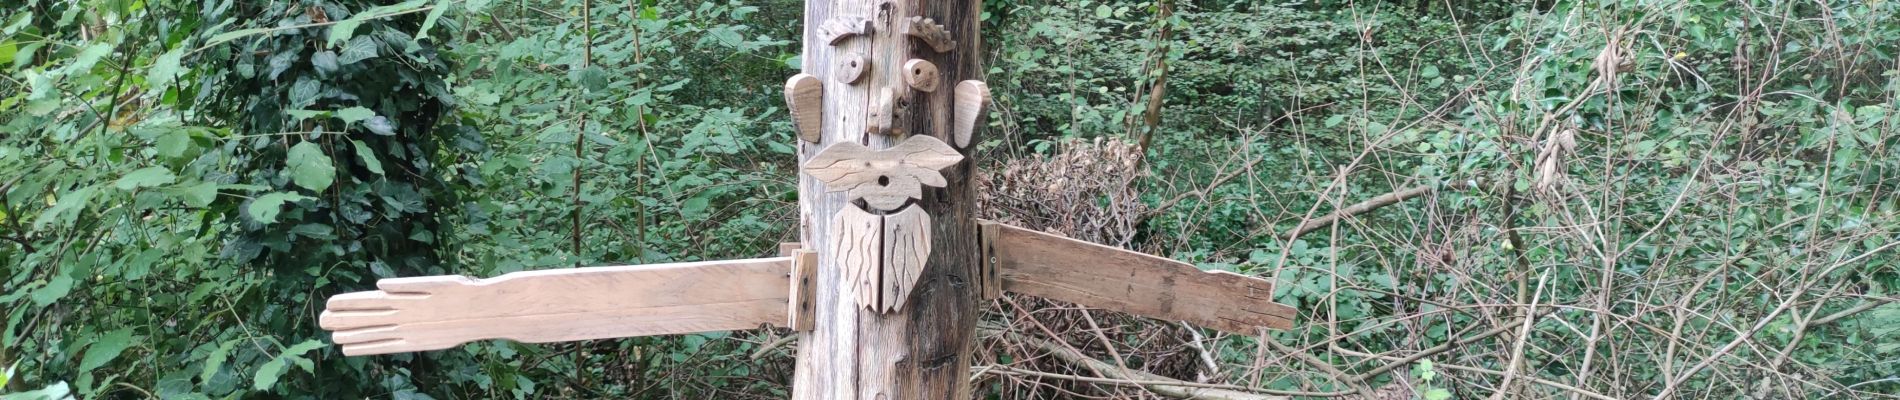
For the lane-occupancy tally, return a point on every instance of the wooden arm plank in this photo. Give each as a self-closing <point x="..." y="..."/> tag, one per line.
<point x="439" y="312"/>
<point x="1054" y="267"/>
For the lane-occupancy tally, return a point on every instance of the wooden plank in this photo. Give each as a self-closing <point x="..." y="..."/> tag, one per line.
<point x="1054" y="267"/>
<point x="785" y="249"/>
<point x="990" y="279"/>
<point x="798" y="313"/>
<point x="439" y="312"/>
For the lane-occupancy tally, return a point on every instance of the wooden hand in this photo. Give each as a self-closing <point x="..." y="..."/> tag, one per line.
<point x="438" y="312"/>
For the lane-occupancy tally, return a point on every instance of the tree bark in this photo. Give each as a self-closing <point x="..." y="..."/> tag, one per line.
<point x="922" y="351"/>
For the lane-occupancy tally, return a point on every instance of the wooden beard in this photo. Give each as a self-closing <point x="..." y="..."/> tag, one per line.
<point x="882" y="241"/>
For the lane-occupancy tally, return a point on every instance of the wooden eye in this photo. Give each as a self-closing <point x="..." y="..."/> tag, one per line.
<point x="851" y="68"/>
<point x="921" y="75"/>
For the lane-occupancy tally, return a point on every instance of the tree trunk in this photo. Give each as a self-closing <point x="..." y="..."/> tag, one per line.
<point x="923" y="350"/>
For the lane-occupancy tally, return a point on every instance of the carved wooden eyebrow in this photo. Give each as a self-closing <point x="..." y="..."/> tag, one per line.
<point x="839" y="28"/>
<point x="929" y="31"/>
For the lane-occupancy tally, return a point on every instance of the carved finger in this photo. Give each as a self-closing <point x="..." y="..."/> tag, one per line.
<point x="366" y="334"/>
<point x="365" y="301"/>
<point x="352" y="319"/>
<point x="423" y="285"/>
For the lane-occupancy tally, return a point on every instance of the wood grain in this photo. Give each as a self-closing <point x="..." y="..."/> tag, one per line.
<point x="973" y="98"/>
<point x="1054" y="267"/>
<point x="805" y="97"/>
<point x="906" y="249"/>
<point x="439" y="312"/>
<point x="858" y="248"/>
<point x="804" y="286"/>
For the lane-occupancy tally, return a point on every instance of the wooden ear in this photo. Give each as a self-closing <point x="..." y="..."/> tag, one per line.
<point x="972" y="99"/>
<point x="805" y="96"/>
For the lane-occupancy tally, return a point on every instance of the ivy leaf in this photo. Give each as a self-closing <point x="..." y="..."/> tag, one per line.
<point x="324" y="62"/>
<point x="1437" y="394"/>
<point x="1103" y="11"/>
<point x="304" y="92"/>
<point x="358" y="49"/>
<point x="106" y="349"/>
<point x="165" y="68"/>
<point x="145" y="177"/>
<point x="369" y="158"/>
<point x="353" y="114"/>
<point x="310" y="168"/>
<point x="380" y="126"/>
<point x="1335" y="120"/>
<point x="266" y="207"/>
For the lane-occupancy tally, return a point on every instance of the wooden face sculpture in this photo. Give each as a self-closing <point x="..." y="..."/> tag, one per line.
<point x="881" y="241"/>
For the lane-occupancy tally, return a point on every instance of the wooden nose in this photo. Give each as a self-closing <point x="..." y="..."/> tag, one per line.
<point x="882" y="113"/>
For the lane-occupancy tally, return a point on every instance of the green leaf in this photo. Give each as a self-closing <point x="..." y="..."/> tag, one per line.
<point x="88" y="57"/>
<point x="234" y="35"/>
<point x="343" y="31"/>
<point x="268" y="374"/>
<point x="54" y="290"/>
<point x="695" y="208"/>
<point x="67" y="208"/>
<point x="1428" y="71"/>
<point x="358" y="49"/>
<point x="300" y="348"/>
<point x="1335" y="120"/>
<point x="310" y="168"/>
<point x="200" y="195"/>
<point x="441" y="6"/>
<point x="173" y="145"/>
<point x="380" y="125"/>
<point x="165" y="68"/>
<point x="353" y="114"/>
<point x="369" y="158"/>
<point x="105" y="349"/>
<point x="1103" y="12"/>
<point x="266" y="207"/>
<point x="1437" y="394"/>
<point x="216" y="360"/>
<point x="145" y="177"/>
